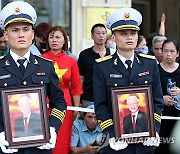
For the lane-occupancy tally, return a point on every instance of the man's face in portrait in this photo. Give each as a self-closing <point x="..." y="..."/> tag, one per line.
<point x="133" y="103"/>
<point x="24" y="105"/>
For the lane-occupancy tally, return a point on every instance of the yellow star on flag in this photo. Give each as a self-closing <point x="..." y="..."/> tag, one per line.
<point x="59" y="72"/>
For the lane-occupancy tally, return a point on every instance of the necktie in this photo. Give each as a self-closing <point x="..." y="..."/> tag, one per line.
<point x="134" y="123"/>
<point x="21" y="65"/>
<point x="129" y="62"/>
<point x="26" y="124"/>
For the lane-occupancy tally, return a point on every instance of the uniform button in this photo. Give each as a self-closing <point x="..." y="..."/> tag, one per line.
<point x="24" y="83"/>
<point x="131" y="83"/>
<point x="5" y="84"/>
<point x="115" y="84"/>
<point x="146" y="82"/>
<point x="42" y="82"/>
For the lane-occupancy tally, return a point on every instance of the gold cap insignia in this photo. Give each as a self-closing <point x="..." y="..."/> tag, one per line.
<point x="17" y="10"/>
<point x="127" y="16"/>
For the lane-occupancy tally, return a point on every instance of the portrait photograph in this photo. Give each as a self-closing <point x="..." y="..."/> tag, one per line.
<point x="132" y="109"/>
<point x="25" y="120"/>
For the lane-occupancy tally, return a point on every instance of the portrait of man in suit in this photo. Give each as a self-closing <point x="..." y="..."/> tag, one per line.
<point x="136" y="121"/>
<point x="29" y="124"/>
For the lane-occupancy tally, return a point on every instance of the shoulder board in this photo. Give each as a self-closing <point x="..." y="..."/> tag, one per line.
<point x="103" y="59"/>
<point x="147" y="56"/>
<point x="1" y="57"/>
<point x="44" y="58"/>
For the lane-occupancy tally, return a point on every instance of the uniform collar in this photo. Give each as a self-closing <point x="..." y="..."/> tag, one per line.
<point x="16" y="57"/>
<point x="123" y="59"/>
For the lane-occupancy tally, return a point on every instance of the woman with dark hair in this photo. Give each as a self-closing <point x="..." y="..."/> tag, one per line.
<point x="141" y="46"/>
<point x="69" y="81"/>
<point x="169" y="72"/>
<point x="40" y="36"/>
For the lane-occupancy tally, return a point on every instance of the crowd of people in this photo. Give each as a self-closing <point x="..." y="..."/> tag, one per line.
<point x="120" y="60"/>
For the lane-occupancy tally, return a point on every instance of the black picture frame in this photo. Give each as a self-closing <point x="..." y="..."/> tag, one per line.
<point x="122" y="116"/>
<point x="37" y="132"/>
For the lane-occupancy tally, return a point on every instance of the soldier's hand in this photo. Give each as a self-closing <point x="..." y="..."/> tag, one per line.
<point x="52" y="141"/>
<point x="117" y="144"/>
<point x="4" y="143"/>
<point x="152" y="141"/>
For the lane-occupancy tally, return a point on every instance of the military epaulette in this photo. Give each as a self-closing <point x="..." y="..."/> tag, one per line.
<point x="1" y="57"/>
<point x="103" y="59"/>
<point x="44" y="58"/>
<point x="157" y="117"/>
<point x="105" y="124"/>
<point x="147" y="56"/>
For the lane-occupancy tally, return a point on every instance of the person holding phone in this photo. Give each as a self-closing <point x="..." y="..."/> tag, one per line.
<point x="84" y="133"/>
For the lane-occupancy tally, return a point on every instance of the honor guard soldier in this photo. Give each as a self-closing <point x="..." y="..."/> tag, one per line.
<point x="124" y="69"/>
<point x="18" y="19"/>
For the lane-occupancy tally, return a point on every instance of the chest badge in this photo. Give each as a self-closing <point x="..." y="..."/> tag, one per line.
<point x="143" y="74"/>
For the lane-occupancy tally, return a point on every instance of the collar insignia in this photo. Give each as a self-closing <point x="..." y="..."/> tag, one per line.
<point x="35" y="62"/>
<point x="7" y="63"/>
<point x="115" y="61"/>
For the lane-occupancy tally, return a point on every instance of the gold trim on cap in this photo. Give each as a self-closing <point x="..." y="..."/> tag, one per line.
<point x="18" y="20"/>
<point x="133" y="27"/>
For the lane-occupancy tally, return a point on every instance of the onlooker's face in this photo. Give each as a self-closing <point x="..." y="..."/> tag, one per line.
<point x="20" y="36"/>
<point x="56" y="41"/>
<point x="91" y="121"/>
<point x="99" y="35"/>
<point x="24" y="105"/>
<point x="169" y="53"/>
<point x="132" y="103"/>
<point x="142" y="44"/>
<point x="40" y="42"/>
<point x="126" y="40"/>
<point x="3" y="43"/>
<point x="157" y="49"/>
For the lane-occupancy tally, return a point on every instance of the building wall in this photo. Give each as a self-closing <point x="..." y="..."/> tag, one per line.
<point x="80" y="27"/>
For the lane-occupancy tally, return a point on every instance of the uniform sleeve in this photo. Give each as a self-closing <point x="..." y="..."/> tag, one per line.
<point x="57" y="101"/>
<point x="102" y="109"/>
<point x="76" y="86"/>
<point x="157" y="97"/>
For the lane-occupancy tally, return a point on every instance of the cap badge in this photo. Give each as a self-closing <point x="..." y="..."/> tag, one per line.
<point x="126" y="16"/>
<point x="17" y="10"/>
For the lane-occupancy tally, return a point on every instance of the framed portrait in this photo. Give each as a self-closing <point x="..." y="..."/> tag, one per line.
<point x="25" y="116"/>
<point x="133" y="113"/>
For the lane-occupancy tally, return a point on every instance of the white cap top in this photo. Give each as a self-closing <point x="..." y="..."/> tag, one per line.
<point x="17" y="11"/>
<point x="124" y="18"/>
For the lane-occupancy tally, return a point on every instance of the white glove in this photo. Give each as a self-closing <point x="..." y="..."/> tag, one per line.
<point x="117" y="145"/>
<point x="152" y="141"/>
<point x="4" y="143"/>
<point x="52" y="141"/>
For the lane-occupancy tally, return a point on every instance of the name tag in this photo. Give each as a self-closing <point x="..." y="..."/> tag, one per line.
<point x="5" y="76"/>
<point x="115" y="76"/>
